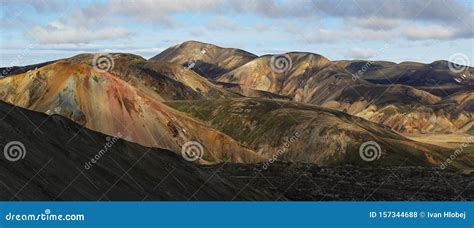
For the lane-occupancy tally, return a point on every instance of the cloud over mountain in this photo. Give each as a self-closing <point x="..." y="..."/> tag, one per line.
<point x="279" y="24"/>
<point x="58" y="33"/>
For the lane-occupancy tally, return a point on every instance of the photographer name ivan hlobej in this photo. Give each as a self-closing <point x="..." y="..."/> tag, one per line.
<point x="447" y="214"/>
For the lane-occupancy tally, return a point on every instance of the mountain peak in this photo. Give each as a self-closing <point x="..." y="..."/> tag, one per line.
<point x="207" y="60"/>
<point x="195" y="42"/>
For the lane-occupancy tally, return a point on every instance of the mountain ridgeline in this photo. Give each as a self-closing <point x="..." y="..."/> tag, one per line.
<point x="408" y="97"/>
<point x="242" y="108"/>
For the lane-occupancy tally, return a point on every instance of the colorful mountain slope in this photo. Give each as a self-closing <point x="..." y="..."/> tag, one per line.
<point x="103" y="102"/>
<point x="313" y="79"/>
<point x="205" y="59"/>
<point x="305" y="133"/>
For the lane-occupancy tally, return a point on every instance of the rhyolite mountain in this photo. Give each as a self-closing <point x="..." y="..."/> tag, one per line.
<point x="103" y="102"/>
<point x="436" y="77"/>
<point x="207" y="60"/>
<point x="133" y="98"/>
<point x="161" y="80"/>
<point x="402" y="96"/>
<point x="168" y="81"/>
<point x="405" y="106"/>
<point x="308" y="133"/>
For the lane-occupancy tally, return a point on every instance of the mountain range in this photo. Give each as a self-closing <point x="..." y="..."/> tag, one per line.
<point x="233" y="107"/>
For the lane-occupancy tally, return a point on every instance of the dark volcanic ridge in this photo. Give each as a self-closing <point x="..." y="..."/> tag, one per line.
<point x="57" y="150"/>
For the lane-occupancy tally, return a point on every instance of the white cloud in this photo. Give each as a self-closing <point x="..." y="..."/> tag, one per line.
<point x="320" y="35"/>
<point x="39" y="5"/>
<point x="384" y="24"/>
<point x="385" y="12"/>
<point x="59" y="33"/>
<point x="362" y="53"/>
<point x="158" y="11"/>
<point x="221" y="23"/>
<point x="415" y="10"/>
<point x="369" y="34"/>
<point x="375" y="23"/>
<point x="362" y="19"/>
<point x="428" y="32"/>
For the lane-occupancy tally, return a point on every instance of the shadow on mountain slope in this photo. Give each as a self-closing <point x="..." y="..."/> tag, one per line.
<point x="57" y="150"/>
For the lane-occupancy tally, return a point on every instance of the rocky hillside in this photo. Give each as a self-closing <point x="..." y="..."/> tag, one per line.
<point x="407" y="97"/>
<point x="405" y="106"/>
<point x="304" y="133"/>
<point x="436" y="77"/>
<point x="205" y="59"/>
<point x="103" y="102"/>
<point x="161" y="80"/>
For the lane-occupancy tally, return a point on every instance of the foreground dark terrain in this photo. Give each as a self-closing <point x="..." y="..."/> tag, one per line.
<point x="57" y="149"/>
<point x="307" y="182"/>
<point x="54" y="166"/>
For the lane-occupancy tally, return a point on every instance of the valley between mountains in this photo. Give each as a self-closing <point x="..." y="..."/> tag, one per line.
<point x="202" y="122"/>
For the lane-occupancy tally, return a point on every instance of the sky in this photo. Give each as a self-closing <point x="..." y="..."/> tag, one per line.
<point x="34" y="31"/>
